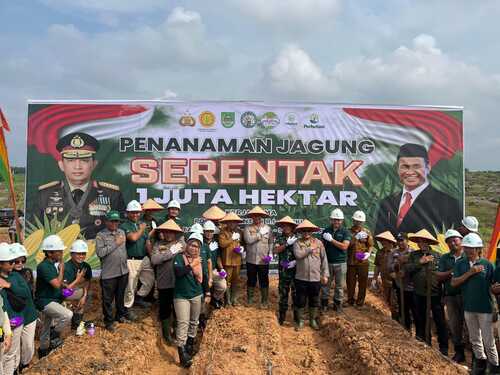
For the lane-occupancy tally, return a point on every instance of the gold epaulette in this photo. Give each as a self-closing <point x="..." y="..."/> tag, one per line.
<point x="109" y="186"/>
<point x="47" y="185"/>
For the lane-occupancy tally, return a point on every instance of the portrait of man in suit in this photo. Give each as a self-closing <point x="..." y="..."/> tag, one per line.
<point x="419" y="205"/>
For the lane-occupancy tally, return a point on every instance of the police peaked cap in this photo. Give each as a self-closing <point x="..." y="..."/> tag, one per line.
<point x="76" y="141"/>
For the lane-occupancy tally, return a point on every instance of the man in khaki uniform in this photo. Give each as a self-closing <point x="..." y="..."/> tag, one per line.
<point x="357" y="259"/>
<point x="230" y="240"/>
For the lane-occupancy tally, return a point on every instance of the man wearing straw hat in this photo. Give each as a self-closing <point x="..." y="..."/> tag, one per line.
<point x="388" y="242"/>
<point x="230" y="242"/>
<point x="148" y="209"/>
<point x="423" y="266"/>
<point x="311" y="272"/>
<point x="284" y="248"/>
<point x="258" y="238"/>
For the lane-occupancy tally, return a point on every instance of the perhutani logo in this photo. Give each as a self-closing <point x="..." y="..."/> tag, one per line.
<point x="207" y="119"/>
<point x="227" y="119"/>
<point x="269" y="120"/>
<point x="187" y="120"/>
<point x="314" y="118"/>
<point x="249" y="119"/>
<point x="291" y="119"/>
<point x="313" y="122"/>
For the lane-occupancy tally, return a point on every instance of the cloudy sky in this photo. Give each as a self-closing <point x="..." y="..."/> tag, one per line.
<point x="375" y="52"/>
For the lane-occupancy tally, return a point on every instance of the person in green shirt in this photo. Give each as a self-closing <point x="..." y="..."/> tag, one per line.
<point x="474" y="276"/>
<point x="18" y="303"/>
<point x="453" y="299"/>
<point x="336" y="239"/>
<point x="138" y="263"/>
<point x="77" y="277"/>
<point x="423" y="266"/>
<point x="48" y="295"/>
<point x="188" y="296"/>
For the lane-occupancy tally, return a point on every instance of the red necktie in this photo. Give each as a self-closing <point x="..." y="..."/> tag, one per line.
<point x="404" y="208"/>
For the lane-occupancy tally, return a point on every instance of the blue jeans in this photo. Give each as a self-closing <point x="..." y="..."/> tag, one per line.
<point x="338" y="272"/>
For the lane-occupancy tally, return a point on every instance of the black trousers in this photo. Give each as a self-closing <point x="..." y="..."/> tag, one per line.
<point x="410" y="309"/>
<point x="437" y="310"/>
<point x="114" y="290"/>
<point x="166" y="300"/>
<point x="307" y="290"/>
<point x="260" y="271"/>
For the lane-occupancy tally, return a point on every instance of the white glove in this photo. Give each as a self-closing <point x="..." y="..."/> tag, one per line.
<point x="263" y="231"/>
<point x="290" y="241"/>
<point x="367" y="255"/>
<point x="174" y="249"/>
<point x="242" y="249"/>
<point x="153" y="225"/>
<point x="213" y="246"/>
<point x="328" y="237"/>
<point x="236" y="236"/>
<point x="361" y="235"/>
<point x="292" y="264"/>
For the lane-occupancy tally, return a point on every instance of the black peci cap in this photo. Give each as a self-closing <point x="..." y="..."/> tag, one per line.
<point x="413" y="150"/>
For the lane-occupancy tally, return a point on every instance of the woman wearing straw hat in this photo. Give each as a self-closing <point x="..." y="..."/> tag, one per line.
<point x="165" y="248"/>
<point x="230" y="240"/>
<point x="311" y="272"/>
<point x="286" y="266"/>
<point x="188" y="295"/>
<point x="423" y="266"/>
<point x="388" y="242"/>
<point x="259" y="244"/>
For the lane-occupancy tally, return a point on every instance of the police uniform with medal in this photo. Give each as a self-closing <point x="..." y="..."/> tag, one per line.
<point x="86" y="204"/>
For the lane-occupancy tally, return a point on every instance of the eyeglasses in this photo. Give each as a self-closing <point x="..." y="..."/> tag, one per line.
<point x="11" y="262"/>
<point x="20" y="261"/>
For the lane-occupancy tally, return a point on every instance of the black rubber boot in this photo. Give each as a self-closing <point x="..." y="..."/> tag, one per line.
<point x="139" y="302"/>
<point x="281" y="317"/>
<point x="479" y="366"/>
<point x="75" y="320"/>
<point x="190" y="346"/>
<point x="324" y="305"/>
<point x="459" y="356"/>
<point x="43" y="353"/>
<point x="337" y="306"/>
<point x="55" y="339"/>
<point x="165" y="330"/>
<point x="300" y="319"/>
<point x="184" y="358"/>
<point x="493" y="370"/>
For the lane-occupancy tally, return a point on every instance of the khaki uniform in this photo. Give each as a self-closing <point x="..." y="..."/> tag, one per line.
<point x="231" y="261"/>
<point x="357" y="270"/>
<point x="257" y="246"/>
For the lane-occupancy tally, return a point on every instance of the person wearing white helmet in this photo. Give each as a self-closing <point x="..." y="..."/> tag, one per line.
<point x="77" y="277"/>
<point x="5" y="330"/>
<point x="18" y="303"/>
<point x="336" y="239"/>
<point x="475" y="277"/>
<point x="48" y="294"/>
<point x="215" y="269"/>
<point x="357" y="259"/>
<point x="470" y="224"/>
<point x="138" y="263"/>
<point x="173" y="210"/>
<point x="188" y="294"/>
<point x="206" y="262"/>
<point x="453" y="299"/>
<point x="30" y="315"/>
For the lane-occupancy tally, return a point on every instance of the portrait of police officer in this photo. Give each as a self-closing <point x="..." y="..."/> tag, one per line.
<point x="83" y="200"/>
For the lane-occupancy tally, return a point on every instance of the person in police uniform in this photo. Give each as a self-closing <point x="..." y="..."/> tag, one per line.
<point x="84" y="200"/>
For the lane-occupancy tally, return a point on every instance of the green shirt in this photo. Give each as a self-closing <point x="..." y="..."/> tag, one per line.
<point x="71" y="269"/>
<point x="46" y="293"/>
<point x="418" y="273"/>
<point x="186" y="287"/>
<point x="21" y="289"/>
<point x="286" y="255"/>
<point x="446" y="263"/>
<point x="136" y="249"/>
<point x="205" y="256"/>
<point x="333" y="253"/>
<point x="476" y="289"/>
<point x="214" y="254"/>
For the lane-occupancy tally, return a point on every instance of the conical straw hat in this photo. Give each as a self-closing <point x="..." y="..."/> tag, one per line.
<point x="257" y="210"/>
<point x="425" y="235"/>
<point x="286" y="220"/>
<point x="214" y="213"/>
<point x="307" y="225"/>
<point x="386" y="236"/>
<point x="231" y="217"/>
<point x="169" y="225"/>
<point x="152" y="205"/>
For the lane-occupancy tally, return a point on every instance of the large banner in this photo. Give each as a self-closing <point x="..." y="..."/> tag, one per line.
<point x="403" y="166"/>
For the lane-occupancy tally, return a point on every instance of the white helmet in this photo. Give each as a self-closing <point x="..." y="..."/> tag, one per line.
<point x="450" y="233"/>
<point x="359" y="216"/>
<point x="209" y="225"/>
<point x="196" y="236"/>
<point x="134" y="206"/>
<point x="79" y="246"/>
<point x="53" y="243"/>
<point x="196" y="228"/>
<point x="471" y="223"/>
<point x="6" y="252"/>
<point x="19" y="249"/>
<point x="472" y="240"/>
<point x="174" y="204"/>
<point x="337" y="214"/>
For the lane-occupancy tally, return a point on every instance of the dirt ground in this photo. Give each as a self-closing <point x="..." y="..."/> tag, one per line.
<point x="248" y="340"/>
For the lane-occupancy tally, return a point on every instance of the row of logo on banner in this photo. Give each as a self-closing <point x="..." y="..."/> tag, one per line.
<point x="248" y="119"/>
